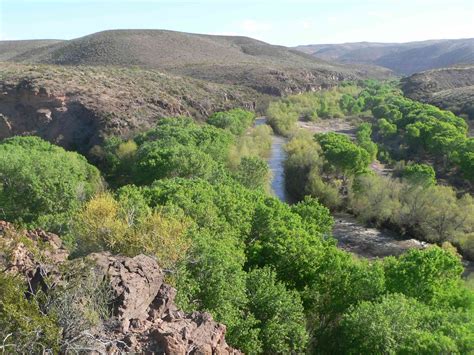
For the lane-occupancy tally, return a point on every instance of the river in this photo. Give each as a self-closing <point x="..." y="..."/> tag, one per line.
<point x="350" y="234"/>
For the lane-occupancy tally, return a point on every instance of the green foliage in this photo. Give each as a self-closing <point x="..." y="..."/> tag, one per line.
<point x="422" y="174"/>
<point x="431" y="276"/>
<point x="342" y="154"/>
<point x="236" y="120"/>
<point x="253" y="172"/>
<point x="337" y="102"/>
<point x="153" y="162"/>
<point x="42" y="184"/>
<point x="364" y="140"/>
<point x="23" y="327"/>
<point x="279" y="312"/>
<point x="412" y="130"/>
<point x="397" y="324"/>
<point x="386" y="128"/>
<point x="315" y="217"/>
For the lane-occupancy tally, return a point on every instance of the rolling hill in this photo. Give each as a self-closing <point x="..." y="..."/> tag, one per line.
<point x="402" y="58"/>
<point x="245" y="61"/>
<point x="75" y="93"/>
<point x="11" y="49"/>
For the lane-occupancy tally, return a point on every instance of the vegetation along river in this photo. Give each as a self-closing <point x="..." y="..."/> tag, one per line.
<point x="351" y="235"/>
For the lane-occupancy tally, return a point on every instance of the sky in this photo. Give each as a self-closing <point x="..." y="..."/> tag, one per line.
<point x="283" y="22"/>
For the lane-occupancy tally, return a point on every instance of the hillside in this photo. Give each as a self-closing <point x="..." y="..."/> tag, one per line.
<point x="267" y="68"/>
<point x="402" y="58"/>
<point x="12" y="49"/>
<point x="77" y="106"/>
<point x="448" y="88"/>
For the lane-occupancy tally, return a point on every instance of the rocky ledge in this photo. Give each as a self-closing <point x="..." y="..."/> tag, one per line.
<point x="144" y="319"/>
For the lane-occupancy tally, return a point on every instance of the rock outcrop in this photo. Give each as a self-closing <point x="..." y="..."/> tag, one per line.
<point x="144" y="318"/>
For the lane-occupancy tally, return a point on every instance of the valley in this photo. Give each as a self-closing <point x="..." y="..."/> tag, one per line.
<point x="182" y="193"/>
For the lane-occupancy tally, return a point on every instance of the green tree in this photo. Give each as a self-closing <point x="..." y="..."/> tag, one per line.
<point x="279" y="311"/>
<point x="236" y="120"/>
<point x="253" y="172"/>
<point x="422" y="174"/>
<point x="397" y="324"/>
<point x="42" y="184"/>
<point x="341" y="153"/>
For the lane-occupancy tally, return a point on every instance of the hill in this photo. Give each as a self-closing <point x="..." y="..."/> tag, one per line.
<point x="267" y="68"/>
<point x="76" y="107"/>
<point x="449" y="88"/>
<point x="402" y="58"/>
<point x="12" y="49"/>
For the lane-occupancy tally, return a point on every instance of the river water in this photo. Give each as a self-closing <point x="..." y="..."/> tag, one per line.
<point x="350" y="234"/>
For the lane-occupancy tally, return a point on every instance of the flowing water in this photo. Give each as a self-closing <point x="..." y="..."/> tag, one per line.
<point x="351" y="235"/>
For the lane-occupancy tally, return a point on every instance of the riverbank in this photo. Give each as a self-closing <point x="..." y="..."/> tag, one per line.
<point x="350" y="234"/>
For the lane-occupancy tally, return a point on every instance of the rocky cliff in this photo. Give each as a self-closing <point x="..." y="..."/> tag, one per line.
<point x="144" y="317"/>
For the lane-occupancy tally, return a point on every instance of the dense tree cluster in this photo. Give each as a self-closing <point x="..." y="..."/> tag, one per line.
<point x="411" y="130"/>
<point x="41" y="184"/>
<point x="191" y="195"/>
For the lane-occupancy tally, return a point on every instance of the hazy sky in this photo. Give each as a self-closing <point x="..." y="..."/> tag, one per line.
<point x="278" y="22"/>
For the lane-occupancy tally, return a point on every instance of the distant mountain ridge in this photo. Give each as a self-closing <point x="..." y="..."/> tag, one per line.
<point x="402" y="58"/>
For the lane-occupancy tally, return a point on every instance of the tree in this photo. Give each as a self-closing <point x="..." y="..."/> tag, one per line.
<point x="364" y="139"/>
<point x="422" y="174"/>
<point x="153" y="162"/>
<point x="431" y="276"/>
<point x="42" y="184"/>
<point x="344" y="155"/>
<point x="386" y="128"/>
<point x="253" y="172"/>
<point x="315" y="217"/>
<point x="398" y="324"/>
<point x="236" y="120"/>
<point x="279" y="312"/>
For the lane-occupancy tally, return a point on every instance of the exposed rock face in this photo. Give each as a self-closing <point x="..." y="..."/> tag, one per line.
<point x="145" y="318"/>
<point x="35" y="262"/>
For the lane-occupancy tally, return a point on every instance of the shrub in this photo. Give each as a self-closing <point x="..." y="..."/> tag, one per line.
<point x="23" y="327"/>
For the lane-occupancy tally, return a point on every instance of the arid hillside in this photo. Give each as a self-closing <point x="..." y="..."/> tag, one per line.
<point x="76" y="107"/>
<point x="270" y="69"/>
<point x="448" y="88"/>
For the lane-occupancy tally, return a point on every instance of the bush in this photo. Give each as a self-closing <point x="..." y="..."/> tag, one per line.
<point x="23" y="327"/>
<point x="107" y="224"/>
